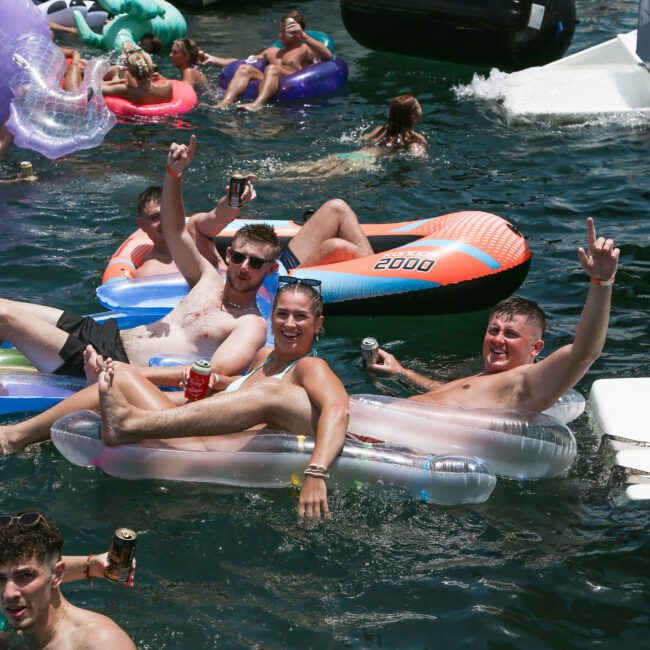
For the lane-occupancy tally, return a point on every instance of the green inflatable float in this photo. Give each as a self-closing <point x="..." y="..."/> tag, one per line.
<point x="133" y="19"/>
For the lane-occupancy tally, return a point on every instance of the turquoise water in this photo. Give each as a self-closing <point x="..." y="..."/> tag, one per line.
<point x="561" y="563"/>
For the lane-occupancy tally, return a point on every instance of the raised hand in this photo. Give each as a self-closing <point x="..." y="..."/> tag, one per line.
<point x="600" y="260"/>
<point x="180" y="156"/>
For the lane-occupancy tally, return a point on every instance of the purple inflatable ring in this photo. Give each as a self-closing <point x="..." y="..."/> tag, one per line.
<point x="316" y="79"/>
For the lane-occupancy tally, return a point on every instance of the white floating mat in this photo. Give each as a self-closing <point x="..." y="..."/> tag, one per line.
<point x="638" y="492"/>
<point x="636" y="459"/>
<point x="621" y="408"/>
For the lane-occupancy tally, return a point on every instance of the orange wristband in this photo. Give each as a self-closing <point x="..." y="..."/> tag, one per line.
<point x="171" y="172"/>
<point x="603" y="283"/>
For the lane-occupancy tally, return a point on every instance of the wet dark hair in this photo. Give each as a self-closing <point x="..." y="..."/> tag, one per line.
<point x="19" y="543"/>
<point x="296" y="15"/>
<point x="151" y="44"/>
<point x="307" y="290"/>
<point x="152" y="194"/>
<point x="261" y="233"/>
<point x="402" y="119"/>
<point x="190" y="48"/>
<point x="518" y="306"/>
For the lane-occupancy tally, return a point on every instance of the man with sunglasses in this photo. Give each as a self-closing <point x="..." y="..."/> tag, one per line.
<point x="159" y="260"/>
<point x="31" y="573"/>
<point x="217" y="320"/>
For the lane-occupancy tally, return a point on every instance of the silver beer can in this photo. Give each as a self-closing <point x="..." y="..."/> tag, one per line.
<point x="370" y="350"/>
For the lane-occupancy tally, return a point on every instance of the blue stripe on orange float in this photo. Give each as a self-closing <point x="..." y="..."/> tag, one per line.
<point x="414" y="225"/>
<point x="472" y="251"/>
<point x="119" y="260"/>
<point x="349" y="286"/>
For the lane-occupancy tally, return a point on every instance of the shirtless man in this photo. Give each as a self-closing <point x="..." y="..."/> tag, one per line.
<point x="31" y="573"/>
<point x="513" y="341"/>
<point x="159" y="259"/>
<point x="510" y="379"/>
<point x="213" y="313"/>
<point x="297" y="52"/>
<point x="332" y="234"/>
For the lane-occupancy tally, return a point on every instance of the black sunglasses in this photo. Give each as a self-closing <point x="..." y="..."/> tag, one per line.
<point x="308" y="282"/>
<point x="27" y="519"/>
<point x="254" y="262"/>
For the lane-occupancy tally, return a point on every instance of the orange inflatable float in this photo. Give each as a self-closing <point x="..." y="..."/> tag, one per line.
<point x="459" y="262"/>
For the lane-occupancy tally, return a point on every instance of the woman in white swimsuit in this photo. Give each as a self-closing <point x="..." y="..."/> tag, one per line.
<point x="289" y="389"/>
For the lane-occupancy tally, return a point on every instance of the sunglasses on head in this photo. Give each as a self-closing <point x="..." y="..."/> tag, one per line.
<point x="308" y="282"/>
<point x="254" y="262"/>
<point x="27" y="519"/>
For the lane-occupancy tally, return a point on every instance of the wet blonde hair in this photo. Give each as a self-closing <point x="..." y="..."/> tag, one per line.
<point x="139" y="64"/>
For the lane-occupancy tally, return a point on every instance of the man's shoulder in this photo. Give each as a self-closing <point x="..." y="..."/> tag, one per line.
<point x="96" y="631"/>
<point x="250" y="320"/>
<point x="274" y="49"/>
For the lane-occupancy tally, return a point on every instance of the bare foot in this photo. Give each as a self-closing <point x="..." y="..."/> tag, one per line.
<point x="253" y="107"/>
<point x="115" y="409"/>
<point x="223" y="105"/>
<point x="93" y="364"/>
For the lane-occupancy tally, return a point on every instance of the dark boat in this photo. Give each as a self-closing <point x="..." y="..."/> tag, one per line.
<point x="508" y="34"/>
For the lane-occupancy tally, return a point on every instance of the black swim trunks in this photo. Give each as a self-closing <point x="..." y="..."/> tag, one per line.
<point x="287" y="258"/>
<point x="83" y="330"/>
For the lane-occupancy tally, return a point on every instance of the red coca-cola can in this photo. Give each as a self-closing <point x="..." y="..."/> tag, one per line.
<point x="198" y="381"/>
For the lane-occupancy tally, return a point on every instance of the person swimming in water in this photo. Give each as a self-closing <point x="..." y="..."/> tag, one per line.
<point x="184" y="55"/>
<point x="397" y="134"/>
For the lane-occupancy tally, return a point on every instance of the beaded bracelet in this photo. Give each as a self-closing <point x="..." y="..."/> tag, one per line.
<point x="317" y="471"/>
<point x="87" y="568"/>
<point x="171" y="172"/>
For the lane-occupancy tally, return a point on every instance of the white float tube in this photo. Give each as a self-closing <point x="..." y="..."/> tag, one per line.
<point x="568" y="408"/>
<point x="277" y="460"/>
<point x="515" y="444"/>
<point x="619" y="407"/>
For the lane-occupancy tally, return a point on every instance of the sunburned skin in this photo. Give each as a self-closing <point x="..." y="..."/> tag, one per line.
<point x="290" y="61"/>
<point x="198" y="325"/>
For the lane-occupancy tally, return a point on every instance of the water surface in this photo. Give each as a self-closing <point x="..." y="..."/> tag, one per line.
<point x="561" y="563"/>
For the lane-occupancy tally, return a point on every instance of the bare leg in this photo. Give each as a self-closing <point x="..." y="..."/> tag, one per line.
<point x="238" y="84"/>
<point x="141" y="392"/>
<point x="268" y="88"/>
<point x="276" y="404"/>
<point x="332" y="234"/>
<point x="32" y="329"/>
<point x="74" y="73"/>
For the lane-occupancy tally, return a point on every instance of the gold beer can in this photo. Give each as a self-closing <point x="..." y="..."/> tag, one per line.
<point x="120" y="555"/>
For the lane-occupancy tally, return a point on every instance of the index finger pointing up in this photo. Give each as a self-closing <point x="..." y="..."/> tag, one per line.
<point x="591" y="233"/>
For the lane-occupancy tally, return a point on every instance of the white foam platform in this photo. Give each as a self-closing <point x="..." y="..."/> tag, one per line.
<point x="636" y="459"/>
<point x="604" y="80"/>
<point x="621" y="408"/>
<point x="640" y="492"/>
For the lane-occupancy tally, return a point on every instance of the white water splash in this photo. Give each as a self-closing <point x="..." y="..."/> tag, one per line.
<point x="566" y="95"/>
